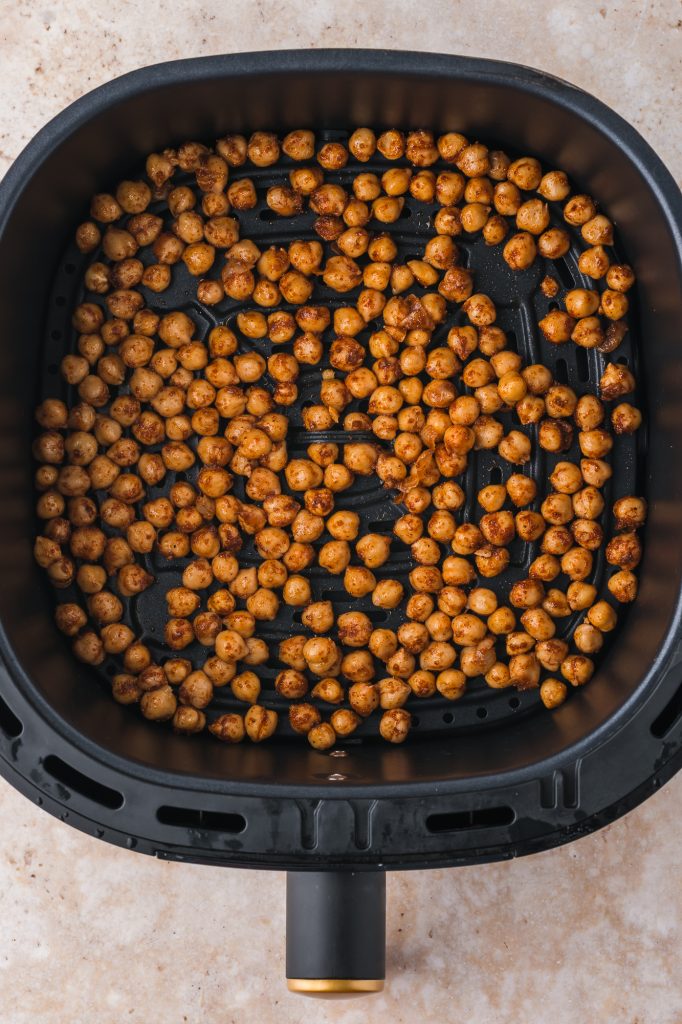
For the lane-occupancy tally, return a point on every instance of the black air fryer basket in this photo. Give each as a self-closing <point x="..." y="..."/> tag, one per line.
<point x="489" y="777"/>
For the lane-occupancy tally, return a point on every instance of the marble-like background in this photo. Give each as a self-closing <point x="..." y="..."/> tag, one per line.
<point x="586" y="933"/>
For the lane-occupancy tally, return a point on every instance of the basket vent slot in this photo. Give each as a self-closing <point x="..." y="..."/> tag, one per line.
<point x="561" y="371"/>
<point x="206" y="821"/>
<point x="565" y="273"/>
<point x="669" y="716"/>
<point x="82" y="784"/>
<point x="480" y="817"/>
<point x="9" y="723"/>
<point x="582" y="363"/>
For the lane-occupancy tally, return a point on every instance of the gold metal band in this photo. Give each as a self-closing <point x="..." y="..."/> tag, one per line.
<point x="322" y="985"/>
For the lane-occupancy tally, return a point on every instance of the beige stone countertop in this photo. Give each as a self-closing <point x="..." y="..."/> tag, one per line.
<point x="590" y="932"/>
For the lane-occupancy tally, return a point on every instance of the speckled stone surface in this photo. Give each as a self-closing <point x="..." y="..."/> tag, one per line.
<point x="586" y="933"/>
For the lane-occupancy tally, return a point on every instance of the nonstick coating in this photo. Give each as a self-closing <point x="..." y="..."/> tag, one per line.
<point x="575" y="768"/>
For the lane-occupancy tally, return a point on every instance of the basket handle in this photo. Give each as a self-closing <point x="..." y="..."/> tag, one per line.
<point x="336" y="931"/>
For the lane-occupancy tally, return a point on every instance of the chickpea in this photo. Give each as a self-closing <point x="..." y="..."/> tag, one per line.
<point x="555" y="435"/>
<point x="577" y="669"/>
<point x="491" y="560"/>
<point x="373" y="549"/>
<point x="602" y="616"/>
<point x="329" y="690"/>
<point x="515" y="448"/>
<point x="577" y="563"/>
<point x="581" y="302"/>
<point x="587" y="534"/>
<point x="551" y="653"/>
<point x="616" y="381"/>
<point x="124" y="689"/>
<point x="588" y="333"/>
<point x="322" y="736"/>
<point x="587" y="639"/>
<point x="557" y="326"/>
<point x="480" y="309"/>
<point x="566" y="478"/>
<point x="468" y="538"/>
<point x="595" y="443"/>
<point x="511" y="388"/>
<point x="623" y="586"/>
<point x="545" y="567"/>
<point x="530" y="526"/>
<point x="395" y="725"/>
<point x="595" y="471"/>
<point x="231" y="727"/>
<point x="259" y="723"/>
<point x="519" y="643"/>
<point x="159" y="704"/>
<point x="519" y="252"/>
<point x="296" y="591"/>
<point x="188" y="720"/>
<point x="581" y="595"/>
<point x="553" y="693"/>
<point x="527" y="593"/>
<point x="557" y="509"/>
<point x="554" y="243"/>
<point x="498" y="528"/>
<point x="554" y="186"/>
<point x="556" y="540"/>
<point x="588" y="503"/>
<point x="358" y="666"/>
<point x="538" y="624"/>
<point x="626" y="419"/>
<point x="524" y="671"/>
<point x="492" y="497"/>
<point x="532" y="216"/>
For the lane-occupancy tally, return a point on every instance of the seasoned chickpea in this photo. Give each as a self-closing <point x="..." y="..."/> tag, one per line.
<point x="395" y="725"/>
<point x="515" y="448"/>
<point x="588" y="639"/>
<point x="553" y="693"/>
<point x="551" y="653"/>
<point x="545" y="567"/>
<point x="594" y="444"/>
<point x="364" y="698"/>
<point x="557" y="509"/>
<point x="296" y="591"/>
<point x="595" y="471"/>
<point x="616" y="381"/>
<point x="519" y="252"/>
<point x="577" y="563"/>
<point x="70" y="618"/>
<point x="527" y="593"/>
<point x="373" y="549"/>
<point x="566" y="478"/>
<point x="555" y="435"/>
<point x="626" y="419"/>
<point x="259" y="723"/>
<point x="329" y="690"/>
<point x="577" y="669"/>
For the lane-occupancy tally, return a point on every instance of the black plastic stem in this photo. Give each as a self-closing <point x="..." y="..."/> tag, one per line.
<point x="336" y="925"/>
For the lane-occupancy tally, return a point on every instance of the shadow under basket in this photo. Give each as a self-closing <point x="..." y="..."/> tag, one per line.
<point x="491" y="777"/>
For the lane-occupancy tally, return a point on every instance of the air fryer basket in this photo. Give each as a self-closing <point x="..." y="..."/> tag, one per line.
<point x="481" y="779"/>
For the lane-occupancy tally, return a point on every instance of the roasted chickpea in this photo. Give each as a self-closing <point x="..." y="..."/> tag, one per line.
<point x="553" y="693"/>
<point x="577" y="669"/>
<point x="557" y="326"/>
<point x="519" y="252"/>
<point x="626" y="419"/>
<point x="577" y="563"/>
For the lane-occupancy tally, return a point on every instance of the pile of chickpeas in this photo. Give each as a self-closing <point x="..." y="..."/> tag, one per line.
<point x="414" y="365"/>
